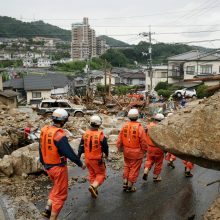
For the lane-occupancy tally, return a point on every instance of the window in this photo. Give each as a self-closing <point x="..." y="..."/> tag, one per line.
<point x="63" y="105"/>
<point x="190" y="70"/>
<point x="206" y="69"/>
<point x="141" y="81"/>
<point x="129" y="81"/>
<point x="36" y="94"/>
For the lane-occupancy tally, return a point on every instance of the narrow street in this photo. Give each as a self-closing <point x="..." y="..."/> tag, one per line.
<point x="175" y="198"/>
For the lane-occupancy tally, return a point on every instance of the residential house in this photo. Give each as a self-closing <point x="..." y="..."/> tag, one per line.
<point x="37" y="87"/>
<point x="133" y="78"/>
<point x="194" y="64"/>
<point x="98" y="77"/>
<point x="159" y="74"/>
<point x="60" y="84"/>
<point x="79" y="85"/>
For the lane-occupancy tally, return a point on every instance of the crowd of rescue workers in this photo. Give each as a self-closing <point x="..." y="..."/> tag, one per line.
<point x="133" y="140"/>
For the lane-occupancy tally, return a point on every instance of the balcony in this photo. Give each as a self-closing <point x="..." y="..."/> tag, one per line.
<point x="175" y="74"/>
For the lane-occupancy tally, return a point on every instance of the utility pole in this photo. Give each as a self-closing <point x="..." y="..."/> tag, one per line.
<point x="145" y="34"/>
<point x="110" y="81"/>
<point x="105" y="71"/>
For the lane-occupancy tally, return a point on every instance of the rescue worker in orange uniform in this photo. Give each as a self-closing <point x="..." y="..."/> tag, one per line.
<point x="132" y="141"/>
<point x="188" y="167"/>
<point x="54" y="150"/>
<point x="154" y="154"/>
<point x="170" y="158"/>
<point x="94" y="144"/>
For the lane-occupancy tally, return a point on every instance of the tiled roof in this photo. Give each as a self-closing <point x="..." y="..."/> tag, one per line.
<point x="14" y="83"/>
<point x="196" y="55"/>
<point x="58" y="80"/>
<point x="139" y="75"/>
<point x="37" y="82"/>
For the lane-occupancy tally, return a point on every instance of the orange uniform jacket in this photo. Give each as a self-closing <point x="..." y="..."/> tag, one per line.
<point x="92" y="144"/>
<point x="132" y="139"/>
<point x="49" y="150"/>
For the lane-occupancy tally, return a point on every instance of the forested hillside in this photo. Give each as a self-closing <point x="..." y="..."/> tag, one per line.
<point x="10" y="27"/>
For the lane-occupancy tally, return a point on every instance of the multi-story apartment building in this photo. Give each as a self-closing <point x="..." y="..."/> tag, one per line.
<point x="84" y="43"/>
<point x="80" y="48"/>
<point x="101" y="46"/>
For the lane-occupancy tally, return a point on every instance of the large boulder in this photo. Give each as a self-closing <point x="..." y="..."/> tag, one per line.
<point x="192" y="133"/>
<point x="25" y="160"/>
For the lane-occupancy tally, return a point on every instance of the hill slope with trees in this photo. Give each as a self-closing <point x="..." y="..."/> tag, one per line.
<point x="10" y="27"/>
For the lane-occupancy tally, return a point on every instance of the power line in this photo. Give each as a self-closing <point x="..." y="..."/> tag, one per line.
<point x="188" y="32"/>
<point x="198" y="41"/>
<point x="124" y="17"/>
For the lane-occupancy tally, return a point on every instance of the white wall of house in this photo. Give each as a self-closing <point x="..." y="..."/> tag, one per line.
<point x="102" y="80"/>
<point x="60" y="91"/>
<point x="133" y="81"/>
<point x="159" y="75"/>
<point x="45" y="94"/>
<point x="194" y="68"/>
<point x="108" y="80"/>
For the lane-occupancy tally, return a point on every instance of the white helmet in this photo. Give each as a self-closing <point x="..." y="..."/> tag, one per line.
<point x="60" y="115"/>
<point x="133" y="113"/>
<point x="158" y="117"/>
<point x="95" y="120"/>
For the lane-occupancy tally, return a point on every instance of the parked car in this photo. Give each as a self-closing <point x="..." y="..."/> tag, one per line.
<point x="47" y="106"/>
<point x="186" y="92"/>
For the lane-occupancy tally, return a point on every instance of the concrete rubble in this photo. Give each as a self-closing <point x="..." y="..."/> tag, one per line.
<point x="19" y="157"/>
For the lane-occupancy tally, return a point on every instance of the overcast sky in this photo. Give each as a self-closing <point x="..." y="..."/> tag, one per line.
<point x="125" y="19"/>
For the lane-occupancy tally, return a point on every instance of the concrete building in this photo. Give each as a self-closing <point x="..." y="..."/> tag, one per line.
<point x="101" y="46"/>
<point x="84" y="43"/>
<point x="80" y="48"/>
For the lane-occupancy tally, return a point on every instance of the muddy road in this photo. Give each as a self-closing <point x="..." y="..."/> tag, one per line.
<point x="175" y="198"/>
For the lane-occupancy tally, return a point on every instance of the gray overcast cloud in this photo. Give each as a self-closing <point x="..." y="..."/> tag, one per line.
<point x="171" y="20"/>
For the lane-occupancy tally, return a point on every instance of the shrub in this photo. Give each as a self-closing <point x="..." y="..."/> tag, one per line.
<point x="202" y="91"/>
<point x="164" y="93"/>
<point x="161" y="85"/>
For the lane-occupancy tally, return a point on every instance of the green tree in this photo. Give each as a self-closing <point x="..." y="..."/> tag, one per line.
<point x="115" y="58"/>
<point x="201" y="91"/>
